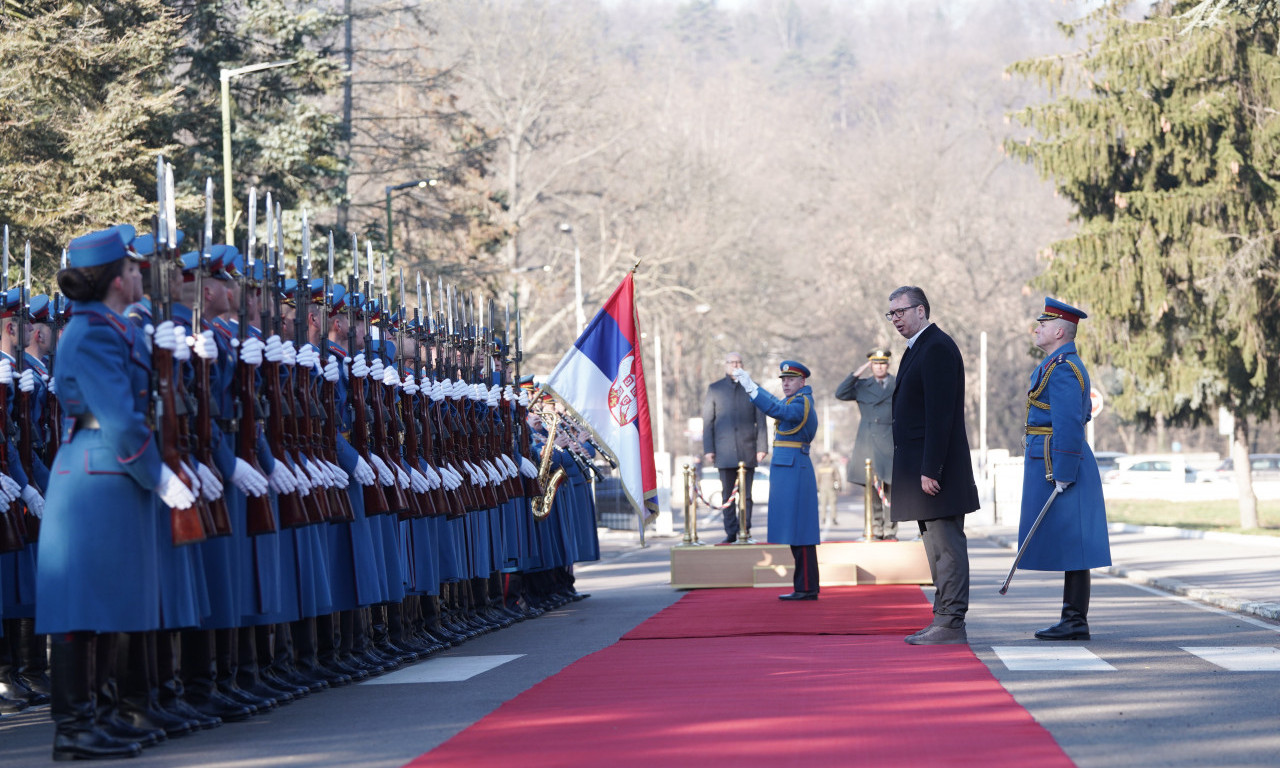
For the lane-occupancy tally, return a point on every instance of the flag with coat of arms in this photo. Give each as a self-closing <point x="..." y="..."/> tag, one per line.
<point x="601" y="381"/>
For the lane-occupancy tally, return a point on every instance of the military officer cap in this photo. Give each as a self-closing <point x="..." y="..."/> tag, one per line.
<point x="102" y="247"/>
<point x="231" y="263"/>
<point x="1056" y="310"/>
<point x="789" y="368"/>
<point x="38" y="309"/>
<point x="339" y="301"/>
<point x="526" y="382"/>
<point x="288" y="290"/>
<point x="879" y="355"/>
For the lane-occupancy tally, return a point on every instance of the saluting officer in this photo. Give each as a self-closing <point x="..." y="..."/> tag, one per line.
<point x="1073" y="535"/>
<point x="874" y="396"/>
<point x="793" y="488"/>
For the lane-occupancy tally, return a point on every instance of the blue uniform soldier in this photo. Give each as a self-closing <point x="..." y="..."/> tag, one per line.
<point x="1073" y="535"/>
<point x="793" y="487"/>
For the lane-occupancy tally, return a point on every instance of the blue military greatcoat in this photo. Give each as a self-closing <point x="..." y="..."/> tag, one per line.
<point x="793" y="488"/>
<point x="97" y="564"/>
<point x="1073" y="535"/>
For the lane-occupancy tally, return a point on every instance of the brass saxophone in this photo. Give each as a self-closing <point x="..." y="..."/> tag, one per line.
<point x="550" y="480"/>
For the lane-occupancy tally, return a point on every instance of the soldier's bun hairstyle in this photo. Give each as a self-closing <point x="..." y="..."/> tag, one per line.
<point x="89" y="283"/>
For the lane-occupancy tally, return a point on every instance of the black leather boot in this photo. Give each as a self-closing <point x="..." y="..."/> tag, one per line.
<point x="169" y="683"/>
<point x="1075" y="609"/>
<point x="139" y="688"/>
<point x="12" y="698"/>
<point x="200" y="683"/>
<point x="30" y="672"/>
<point x="108" y="691"/>
<point x="74" y="709"/>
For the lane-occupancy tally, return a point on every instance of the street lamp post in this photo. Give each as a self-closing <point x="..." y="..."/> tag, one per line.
<point x="225" y="76"/>
<point x="579" y="315"/>
<point x="421" y="184"/>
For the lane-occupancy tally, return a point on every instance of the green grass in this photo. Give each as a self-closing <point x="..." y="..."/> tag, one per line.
<point x="1199" y="515"/>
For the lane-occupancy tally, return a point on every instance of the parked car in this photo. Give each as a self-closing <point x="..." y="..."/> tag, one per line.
<point x="1265" y="466"/>
<point x="1138" y="470"/>
<point x="709" y="482"/>
<point x="1108" y="460"/>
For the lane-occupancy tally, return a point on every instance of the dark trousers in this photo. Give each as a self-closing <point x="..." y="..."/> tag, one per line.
<point x="947" y="550"/>
<point x="806" y="575"/>
<point x="729" y="478"/>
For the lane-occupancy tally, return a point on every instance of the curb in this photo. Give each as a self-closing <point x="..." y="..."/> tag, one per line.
<point x="1215" y="598"/>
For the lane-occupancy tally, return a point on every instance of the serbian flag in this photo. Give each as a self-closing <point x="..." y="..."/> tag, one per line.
<point x="601" y="381"/>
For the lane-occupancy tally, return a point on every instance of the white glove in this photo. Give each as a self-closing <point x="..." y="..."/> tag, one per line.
<point x="341" y="479"/>
<point x="27" y="381"/>
<point x="359" y="368"/>
<point x="390" y="378"/>
<point x="437" y="392"/>
<point x="274" y="350"/>
<point x="331" y="371"/>
<point x="743" y="378"/>
<point x="509" y="394"/>
<point x="53" y="385"/>
<point x="9" y="489"/>
<point x="523" y="399"/>
<point x="495" y="395"/>
<point x="281" y="479"/>
<point x="451" y="477"/>
<point x="494" y="477"/>
<point x="459" y="390"/>
<point x="251" y="351"/>
<point x="34" y="501"/>
<point x="403" y="477"/>
<point x="301" y="478"/>
<point x="384" y="473"/>
<point x="409" y="386"/>
<point x="526" y="467"/>
<point x="204" y="347"/>
<point x="375" y="369"/>
<point x="433" y="477"/>
<point x="210" y="485"/>
<point x="181" y="350"/>
<point x="363" y="473"/>
<point x="318" y="478"/>
<point x="308" y="357"/>
<point x="508" y="466"/>
<point x="289" y="354"/>
<point x="162" y="335"/>
<point x="250" y="481"/>
<point x="172" y="491"/>
<point x="6" y="372"/>
<point x="1062" y="486"/>
<point x="418" y="481"/>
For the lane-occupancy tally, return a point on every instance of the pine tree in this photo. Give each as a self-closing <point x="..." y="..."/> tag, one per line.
<point x="1167" y="142"/>
<point x="83" y="101"/>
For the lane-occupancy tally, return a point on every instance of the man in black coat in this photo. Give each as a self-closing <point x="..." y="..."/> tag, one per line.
<point x="874" y="396"/>
<point x="733" y="430"/>
<point x="932" y="474"/>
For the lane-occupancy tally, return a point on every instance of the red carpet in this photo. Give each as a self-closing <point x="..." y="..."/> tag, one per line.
<point x="750" y="699"/>
<point x="888" y="610"/>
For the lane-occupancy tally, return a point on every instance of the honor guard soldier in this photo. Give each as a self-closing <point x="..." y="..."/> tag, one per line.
<point x="874" y="396"/>
<point x="793" y="488"/>
<point x="1072" y="537"/>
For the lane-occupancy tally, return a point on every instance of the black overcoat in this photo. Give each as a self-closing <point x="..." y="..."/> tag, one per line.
<point x="929" y="436"/>
<point x="732" y="427"/>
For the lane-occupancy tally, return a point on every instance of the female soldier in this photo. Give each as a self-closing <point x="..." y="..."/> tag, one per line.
<point x="97" y="570"/>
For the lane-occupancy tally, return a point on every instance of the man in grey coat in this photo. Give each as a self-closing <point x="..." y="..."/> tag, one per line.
<point x="733" y="430"/>
<point x="874" y="396"/>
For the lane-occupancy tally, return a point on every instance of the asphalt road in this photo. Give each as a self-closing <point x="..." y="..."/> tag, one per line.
<point x="1133" y="696"/>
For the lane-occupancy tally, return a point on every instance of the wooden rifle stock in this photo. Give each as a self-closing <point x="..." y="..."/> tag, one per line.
<point x="204" y="444"/>
<point x="302" y="438"/>
<point x="375" y="502"/>
<point x="329" y="400"/>
<point x="397" y="441"/>
<point x="259" y="518"/>
<point x="12" y="535"/>
<point x="431" y="500"/>
<point x="292" y="511"/>
<point x="397" y="500"/>
<point x="26" y="452"/>
<point x="187" y="526"/>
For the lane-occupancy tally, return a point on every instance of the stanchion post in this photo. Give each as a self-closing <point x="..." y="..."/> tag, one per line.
<point x="868" y="501"/>
<point x="744" y="530"/>
<point x="688" y="509"/>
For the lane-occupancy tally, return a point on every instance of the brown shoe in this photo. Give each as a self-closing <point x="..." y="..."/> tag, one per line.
<point x="939" y="636"/>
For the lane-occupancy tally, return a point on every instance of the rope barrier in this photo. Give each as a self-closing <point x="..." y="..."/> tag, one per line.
<point x="697" y="489"/>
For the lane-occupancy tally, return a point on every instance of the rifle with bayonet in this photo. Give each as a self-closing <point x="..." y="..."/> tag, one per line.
<point x="302" y="431"/>
<point x="375" y="501"/>
<point x="402" y="418"/>
<point x="339" y="501"/>
<point x="202" y="384"/>
<point x="22" y="402"/>
<point x="433" y="435"/>
<point x="381" y="446"/>
<point x="259" y="518"/>
<point x="12" y="530"/>
<point x="189" y="525"/>
<point x="293" y="513"/>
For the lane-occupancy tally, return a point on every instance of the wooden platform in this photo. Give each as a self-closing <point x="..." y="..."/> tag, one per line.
<point x="840" y="563"/>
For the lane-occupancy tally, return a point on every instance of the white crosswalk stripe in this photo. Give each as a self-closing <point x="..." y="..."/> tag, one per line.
<point x="1239" y="658"/>
<point x="1050" y="658"/>
<point x="445" y="669"/>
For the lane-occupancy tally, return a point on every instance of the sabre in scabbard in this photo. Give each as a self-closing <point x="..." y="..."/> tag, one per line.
<point x="1031" y="533"/>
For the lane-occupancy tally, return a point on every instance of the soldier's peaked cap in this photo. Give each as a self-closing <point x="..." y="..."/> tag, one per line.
<point x="879" y="355"/>
<point x="101" y="247"/>
<point x="1057" y="310"/>
<point x="789" y="368"/>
